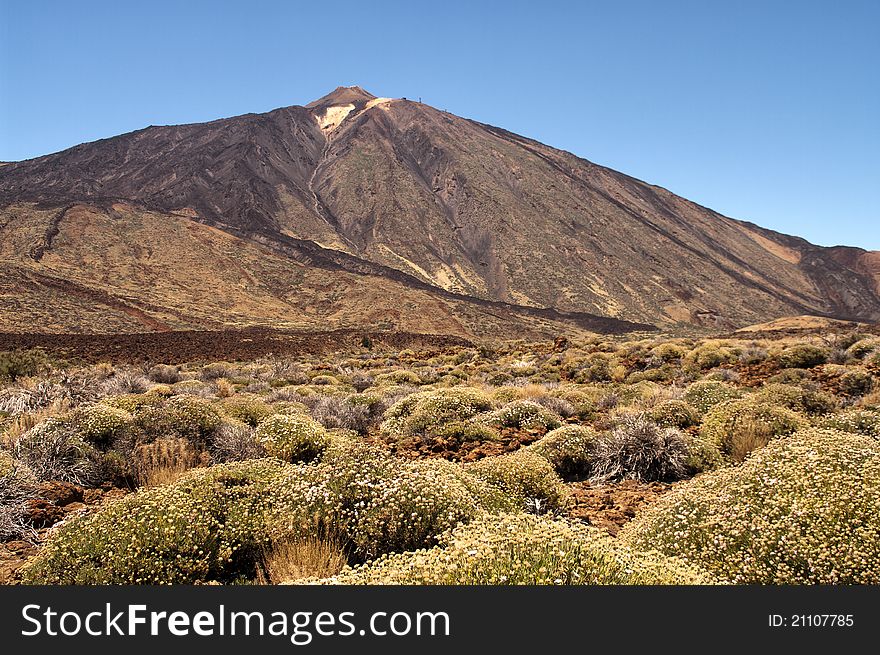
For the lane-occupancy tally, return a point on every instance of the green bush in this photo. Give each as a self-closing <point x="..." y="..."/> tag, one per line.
<point x="15" y="364"/>
<point x="803" y="510"/>
<point x="795" y="398"/>
<point x="702" y="455"/>
<point x="194" y="418"/>
<point x="247" y="409"/>
<point x="525" y="477"/>
<point x="708" y="356"/>
<point x="674" y="414"/>
<point x="100" y="423"/>
<point x="213" y="524"/>
<point x="569" y="450"/>
<point x="292" y="437"/>
<point x="520" y="549"/>
<point x="855" y="382"/>
<point x="863" y="347"/>
<point x="524" y="415"/>
<point x="801" y="355"/>
<point x="400" y="376"/>
<point x="739" y="426"/>
<point x="464" y="431"/>
<point x="703" y="395"/>
<point x="855" y="421"/>
<point x="422" y="413"/>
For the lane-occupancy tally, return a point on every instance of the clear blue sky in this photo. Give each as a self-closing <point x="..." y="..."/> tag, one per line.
<point x="764" y="111"/>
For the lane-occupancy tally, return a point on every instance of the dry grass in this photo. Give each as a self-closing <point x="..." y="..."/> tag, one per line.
<point x="163" y="461"/>
<point x="20" y="424"/>
<point x="311" y="557"/>
<point x="748" y="437"/>
<point x="225" y="389"/>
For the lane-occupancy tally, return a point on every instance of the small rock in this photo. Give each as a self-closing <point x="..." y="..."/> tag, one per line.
<point x="42" y="514"/>
<point x="61" y="493"/>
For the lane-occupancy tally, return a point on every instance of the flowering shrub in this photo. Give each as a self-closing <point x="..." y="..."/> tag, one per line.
<point x="463" y="431"/>
<point x="702" y="455"/>
<point x="639" y="449"/>
<point x="100" y="423"/>
<point x="292" y="437"/>
<point x="214" y="523"/>
<point x="133" y="401"/>
<point x="525" y="477"/>
<point x="521" y="549"/>
<point x="803" y="510"/>
<point x="674" y="414"/>
<point x="801" y="355"/>
<point x="193" y="418"/>
<point x="421" y="413"/>
<point x="705" y="394"/>
<point x="524" y="415"/>
<point x="207" y="526"/>
<point x="401" y="376"/>
<point x="739" y="426"/>
<point x="709" y="355"/>
<point x="569" y="450"/>
<point x="246" y="408"/>
<point x="795" y="398"/>
<point x="855" y="421"/>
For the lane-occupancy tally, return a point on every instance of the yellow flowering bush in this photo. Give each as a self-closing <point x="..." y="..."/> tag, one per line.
<point x="674" y="414"/>
<point x="802" y="510"/>
<point x="703" y="395"/>
<point x="248" y="409"/>
<point x="424" y="412"/>
<point x="739" y="426"/>
<point x="801" y="355"/>
<point x="856" y="421"/>
<point x="100" y="423"/>
<point x="208" y="525"/>
<point x="569" y="449"/>
<point x="523" y="549"/>
<point x="795" y="398"/>
<point x="292" y="437"/>
<point x="523" y="415"/>
<point x="526" y="478"/>
<point x="212" y="523"/>
<point x="193" y="418"/>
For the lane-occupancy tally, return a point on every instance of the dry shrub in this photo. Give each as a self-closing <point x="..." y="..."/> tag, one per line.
<point x="163" y="461"/>
<point x="225" y="389"/>
<point x="639" y="449"/>
<point x="295" y="559"/>
<point x="20" y="424"/>
<point x="234" y="441"/>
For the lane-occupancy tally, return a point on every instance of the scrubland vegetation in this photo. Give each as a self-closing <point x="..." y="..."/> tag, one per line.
<point x="450" y="467"/>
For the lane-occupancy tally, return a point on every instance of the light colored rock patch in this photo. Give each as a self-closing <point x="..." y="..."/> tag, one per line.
<point x="334" y="116"/>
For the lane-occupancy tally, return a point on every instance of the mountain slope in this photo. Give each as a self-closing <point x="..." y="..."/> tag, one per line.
<point x="413" y="200"/>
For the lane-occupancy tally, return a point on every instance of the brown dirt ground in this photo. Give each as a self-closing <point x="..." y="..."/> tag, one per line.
<point x="178" y="347"/>
<point x="611" y="506"/>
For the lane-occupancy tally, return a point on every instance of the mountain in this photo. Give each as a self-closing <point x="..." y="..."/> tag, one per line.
<point x="357" y="210"/>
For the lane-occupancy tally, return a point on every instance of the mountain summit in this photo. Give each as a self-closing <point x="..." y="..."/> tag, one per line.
<point x="342" y="95"/>
<point x="357" y="210"/>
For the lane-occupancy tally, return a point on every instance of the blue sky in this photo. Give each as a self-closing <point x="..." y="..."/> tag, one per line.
<point x="764" y="111"/>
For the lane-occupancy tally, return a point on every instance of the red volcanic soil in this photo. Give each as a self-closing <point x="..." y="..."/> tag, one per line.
<point x="176" y="347"/>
